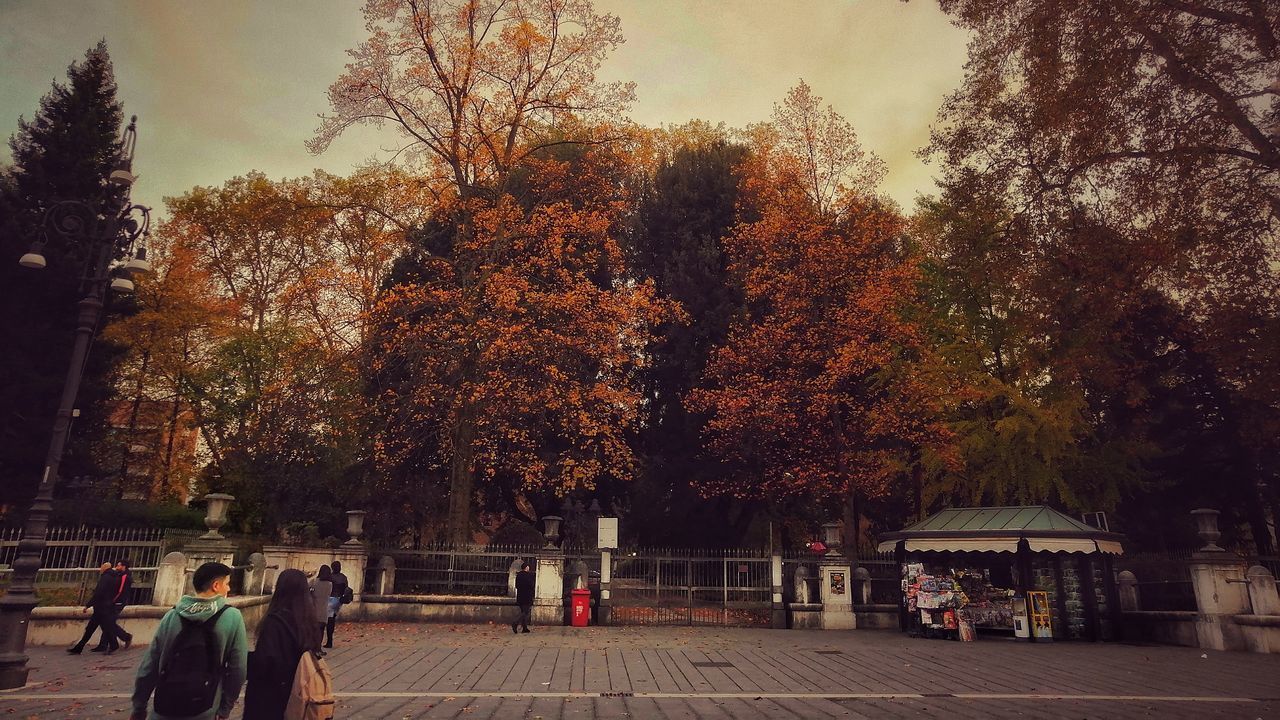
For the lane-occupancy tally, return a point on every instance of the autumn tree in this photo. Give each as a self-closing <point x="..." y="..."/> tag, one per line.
<point x="63" y="153"/>
<point x="180" y="321"/>
<point x="812" y="393"/>
<point x="1141" y="133"/>
<point x="251" y="331"/>
<point x="478" y="89"/>
<point x="517" y="360"/>
<point x="1022" y="428"/>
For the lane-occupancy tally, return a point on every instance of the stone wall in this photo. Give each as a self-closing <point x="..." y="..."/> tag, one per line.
<point x="64" y="625"/>
<point x="432" y="608"/>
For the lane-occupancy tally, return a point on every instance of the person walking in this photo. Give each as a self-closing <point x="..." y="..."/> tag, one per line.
<point x="285" y="634"/>
<point x="106" y="581"/>
<point x="321" y="591"/>
<point x="124" y="585"/>
<point x="336" y="597"/>
<point x="525" y="581"/>
<point x="196" y="664"/>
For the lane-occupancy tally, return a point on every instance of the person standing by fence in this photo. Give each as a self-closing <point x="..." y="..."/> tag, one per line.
<point x="525" y="581"/>
<point x="321" y="591"/>
<point x="338" y="596"/>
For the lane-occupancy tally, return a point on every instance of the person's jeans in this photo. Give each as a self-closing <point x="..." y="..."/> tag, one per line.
<point x="526" y="614"/>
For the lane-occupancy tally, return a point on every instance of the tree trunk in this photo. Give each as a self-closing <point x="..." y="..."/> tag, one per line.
<point x="133" y="423"/>
<point x="461" y="479"/>
<point x="168" y="446"/>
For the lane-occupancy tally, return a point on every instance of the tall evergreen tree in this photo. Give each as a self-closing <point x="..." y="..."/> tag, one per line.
<point x="689" y="207"/>
<point x="64" y="153"/>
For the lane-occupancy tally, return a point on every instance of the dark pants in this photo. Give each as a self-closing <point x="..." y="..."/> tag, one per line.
<point x="105" y="618"/>
<point x="526" y="613"/>
<point x="328" y="628"/>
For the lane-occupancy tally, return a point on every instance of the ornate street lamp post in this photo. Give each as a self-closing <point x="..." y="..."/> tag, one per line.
<point x="105" y="237"/>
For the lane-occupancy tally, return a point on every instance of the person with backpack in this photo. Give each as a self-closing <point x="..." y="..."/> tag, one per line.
<point x="196" y="664"/>
<point x="339" y="596"/>
<point x="321" y="591"/>
<point x="285" y="635"/>
<point x="525" y="581"/>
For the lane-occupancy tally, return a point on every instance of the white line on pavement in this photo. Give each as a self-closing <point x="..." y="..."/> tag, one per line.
<point x="737" y="695"/>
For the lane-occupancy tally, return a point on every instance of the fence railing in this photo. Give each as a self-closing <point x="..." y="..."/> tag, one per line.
<point x="1164" y="579"/>
<point x="71" y="561"/>
<point x="469" y="570"/>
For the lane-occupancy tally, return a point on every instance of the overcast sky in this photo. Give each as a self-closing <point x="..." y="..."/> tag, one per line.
<point x="222" y="88"/>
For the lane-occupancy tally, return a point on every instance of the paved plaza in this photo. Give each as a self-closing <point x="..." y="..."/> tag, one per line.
<point x="405" y="671"/>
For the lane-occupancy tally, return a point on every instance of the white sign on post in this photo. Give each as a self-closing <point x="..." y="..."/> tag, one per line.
<point x="607" y="533"/>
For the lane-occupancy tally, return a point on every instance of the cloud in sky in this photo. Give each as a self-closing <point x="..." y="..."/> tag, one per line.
<point x="228" y="87"/>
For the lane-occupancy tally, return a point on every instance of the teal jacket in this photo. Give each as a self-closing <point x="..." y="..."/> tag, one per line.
<point x="232" y="643"/>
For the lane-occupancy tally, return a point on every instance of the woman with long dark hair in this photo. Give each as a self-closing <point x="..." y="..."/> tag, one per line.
<point x="287" y="631"/>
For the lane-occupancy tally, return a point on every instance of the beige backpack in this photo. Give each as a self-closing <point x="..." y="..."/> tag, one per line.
<point x="312" y="694"/>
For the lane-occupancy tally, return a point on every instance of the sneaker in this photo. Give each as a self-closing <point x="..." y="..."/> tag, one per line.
<point x="74" y="650"/>
<point x="514" y="628"/>
<point x="98" y="649"/>
<point x="525" y="630"/>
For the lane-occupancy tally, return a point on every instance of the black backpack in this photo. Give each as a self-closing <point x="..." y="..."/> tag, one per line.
<point x="191" y="670"/>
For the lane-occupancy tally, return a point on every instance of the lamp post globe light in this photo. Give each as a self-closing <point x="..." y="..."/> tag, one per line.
<point x="109" y="239"/>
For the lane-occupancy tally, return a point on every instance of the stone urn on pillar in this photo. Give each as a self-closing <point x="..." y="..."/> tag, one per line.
<point x="355" y="526"/>
<point x="831" y="537"/>
<point x="1207" y="529"/>
<point x="216" y="514"/>
<point x="551" y="530"/>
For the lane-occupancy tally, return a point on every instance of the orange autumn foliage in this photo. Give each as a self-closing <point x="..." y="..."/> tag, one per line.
<point x="518" y="351"/>
<point x="815" y="392"/>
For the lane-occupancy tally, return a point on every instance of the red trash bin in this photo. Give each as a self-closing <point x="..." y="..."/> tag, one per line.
<point x="581" y="607"/>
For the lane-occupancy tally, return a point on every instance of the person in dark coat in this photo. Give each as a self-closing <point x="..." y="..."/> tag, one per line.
<point x="525" y="580"/>
<point x="287" y="631"/>
<point x="124" y="580"/>
<point x="340" y="585"/>
<point x="105" y="583"/>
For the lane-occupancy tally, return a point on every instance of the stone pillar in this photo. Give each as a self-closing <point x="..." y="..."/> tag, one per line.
<point x="354" y="559"/>
<point x="861" y="586"/>
<point x="1263" y="595"/>
<point x="171" y="580"/>
<point x="386" y="575"/>
<point x="778" y="620"/>
<point x="606" y="574"/>
<point x="1129" y="599"/>
<point x="517" y="564"/>
<point x="1220" y="586"/>
<point x="548" y="596"/>
<point x="255" y="578"/>
<point x="834" y="588"/>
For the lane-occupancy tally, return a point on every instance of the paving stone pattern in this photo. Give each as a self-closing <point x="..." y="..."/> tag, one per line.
<point x="405" y="671"/>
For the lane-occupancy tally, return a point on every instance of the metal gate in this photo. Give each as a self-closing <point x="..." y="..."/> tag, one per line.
<point x="697" y="587"/>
